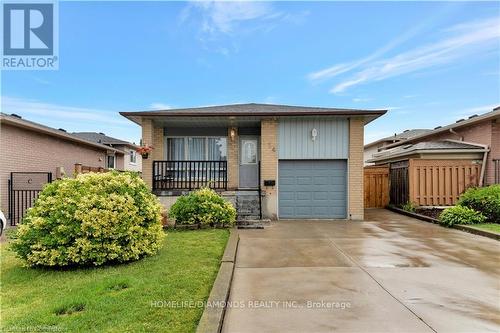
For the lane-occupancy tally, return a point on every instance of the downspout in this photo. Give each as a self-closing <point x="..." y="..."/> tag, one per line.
<point x="453" y="132"/>
<point x="485" y="158"/>
<point x="483" y="167"/>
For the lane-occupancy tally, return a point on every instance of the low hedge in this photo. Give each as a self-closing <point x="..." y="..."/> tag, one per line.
<point x="204" y="207"/>
<point x="460" y="215"/>
<point x="91" y="220"/>
<point x="483" y="199"/>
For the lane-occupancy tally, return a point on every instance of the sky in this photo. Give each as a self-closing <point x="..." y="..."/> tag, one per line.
<point x="428" y="63"/>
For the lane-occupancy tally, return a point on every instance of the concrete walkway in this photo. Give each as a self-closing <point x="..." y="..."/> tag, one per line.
<point x="390" y="273"/>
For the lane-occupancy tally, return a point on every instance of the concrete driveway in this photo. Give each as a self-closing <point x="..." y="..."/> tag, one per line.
<point x="390" y="273"/>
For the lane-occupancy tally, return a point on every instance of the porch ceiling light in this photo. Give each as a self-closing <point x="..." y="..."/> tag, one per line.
<point x="232" y="133"/>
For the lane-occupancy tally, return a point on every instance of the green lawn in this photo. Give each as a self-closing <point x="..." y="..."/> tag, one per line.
<point x="114" y="298"/>
<point x="493" y="227"/>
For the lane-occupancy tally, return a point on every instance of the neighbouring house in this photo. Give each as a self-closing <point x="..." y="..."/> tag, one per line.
<point x="435" y="167"/>
<point x="129" y="160"/>
<point x="276" y="160"/>
<point x="376" y="146"/>
<point x="32" y="154"/>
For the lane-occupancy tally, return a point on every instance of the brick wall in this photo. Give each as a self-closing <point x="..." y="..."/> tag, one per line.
<point x="269" y="166"/>
<point x="355" y="182"/>
<point x="494" y="152"/>
<point x="486" y="133"/>
<point x="233" y="160"/>
<point x="158" y="150"/>
<point x="23" y="150"/>
<point x="147" y="140"/>
<point x="152" y="135"/>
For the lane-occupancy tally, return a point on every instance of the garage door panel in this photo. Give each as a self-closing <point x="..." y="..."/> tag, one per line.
<point x="337" y="196"/>
<point x="287" y="211"/>
<point x="304" y="196"/>
<point x="287" y="195"/>
<point x="304" y="180"/>
<point x="286" y="180"/>
<point x="321" y="195"/>
<point x="303" y="210"/>
<point x="312" y="189"/>
<point x="318" y="180"/>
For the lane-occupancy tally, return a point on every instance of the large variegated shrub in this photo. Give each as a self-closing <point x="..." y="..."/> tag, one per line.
<point x="94" y="219"/>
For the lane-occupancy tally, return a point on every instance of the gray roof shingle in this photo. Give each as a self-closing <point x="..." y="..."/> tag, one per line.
<point x="101" y="138"/>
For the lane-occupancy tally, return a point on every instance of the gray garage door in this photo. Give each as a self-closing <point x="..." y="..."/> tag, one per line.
<point x="312" y="189"/>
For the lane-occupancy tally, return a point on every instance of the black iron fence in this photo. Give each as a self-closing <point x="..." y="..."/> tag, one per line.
<point x="189" y="175"/>
<point x="24" y="188"/>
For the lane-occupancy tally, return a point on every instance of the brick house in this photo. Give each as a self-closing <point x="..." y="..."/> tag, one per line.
<point x="26" y="146"/>
<point x="434" y="168"/>
<point x="476" y="138"/>
<point x="305" y="162"/>
<point x="129" y="160"/>
<point x="376" y="146"/>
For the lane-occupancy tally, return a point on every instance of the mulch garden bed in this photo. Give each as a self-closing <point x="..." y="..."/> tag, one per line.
<point x="430" y="212"/>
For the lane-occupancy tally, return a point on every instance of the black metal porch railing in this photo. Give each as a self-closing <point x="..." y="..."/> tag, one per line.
<point x="189" y="175"/>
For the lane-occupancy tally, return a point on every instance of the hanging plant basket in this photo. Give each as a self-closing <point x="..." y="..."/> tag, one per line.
<point x="144" y="151"/>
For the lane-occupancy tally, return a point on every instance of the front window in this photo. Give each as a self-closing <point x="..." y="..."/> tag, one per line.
<point x="197" y="149"/>
<point x="133" y="157"/>
<point x="110" y="162"/>
<point x="249" y="152"/>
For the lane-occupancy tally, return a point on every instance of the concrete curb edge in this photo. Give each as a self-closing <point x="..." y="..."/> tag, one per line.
<point x="212" y="318"/>
<point x="466" y="228"/>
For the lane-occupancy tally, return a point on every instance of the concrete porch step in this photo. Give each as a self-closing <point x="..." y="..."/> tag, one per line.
<point x="252" y="223"/>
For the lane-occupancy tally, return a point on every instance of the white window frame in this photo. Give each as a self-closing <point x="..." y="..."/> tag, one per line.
<point x="114" y="161"/>
<point x="186" y="143"/>
<point x="134" y="154"/>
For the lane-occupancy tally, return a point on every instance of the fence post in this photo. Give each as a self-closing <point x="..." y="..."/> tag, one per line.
<point x="78" y="169"/>
<point x="10" y="200"/>
<point x="60" y="173"/>
<point x="189" y="173"/>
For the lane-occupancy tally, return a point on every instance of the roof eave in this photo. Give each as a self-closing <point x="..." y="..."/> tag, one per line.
<point x="427" y="151"/>
<point x="53" y="132"/>
<point x="136" y="117"/>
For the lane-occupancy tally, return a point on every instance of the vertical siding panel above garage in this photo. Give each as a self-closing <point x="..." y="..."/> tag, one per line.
<point x="295" y="140"/>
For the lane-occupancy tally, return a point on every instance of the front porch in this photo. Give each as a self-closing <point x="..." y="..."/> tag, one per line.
<point x="231" y="155"/>
<point x="170" y="177"/>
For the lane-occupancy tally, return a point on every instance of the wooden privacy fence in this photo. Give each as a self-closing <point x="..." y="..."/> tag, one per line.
<point x="79" y="168"/>
<point x="440" y="182"/>
<point x="376" y="186"/>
